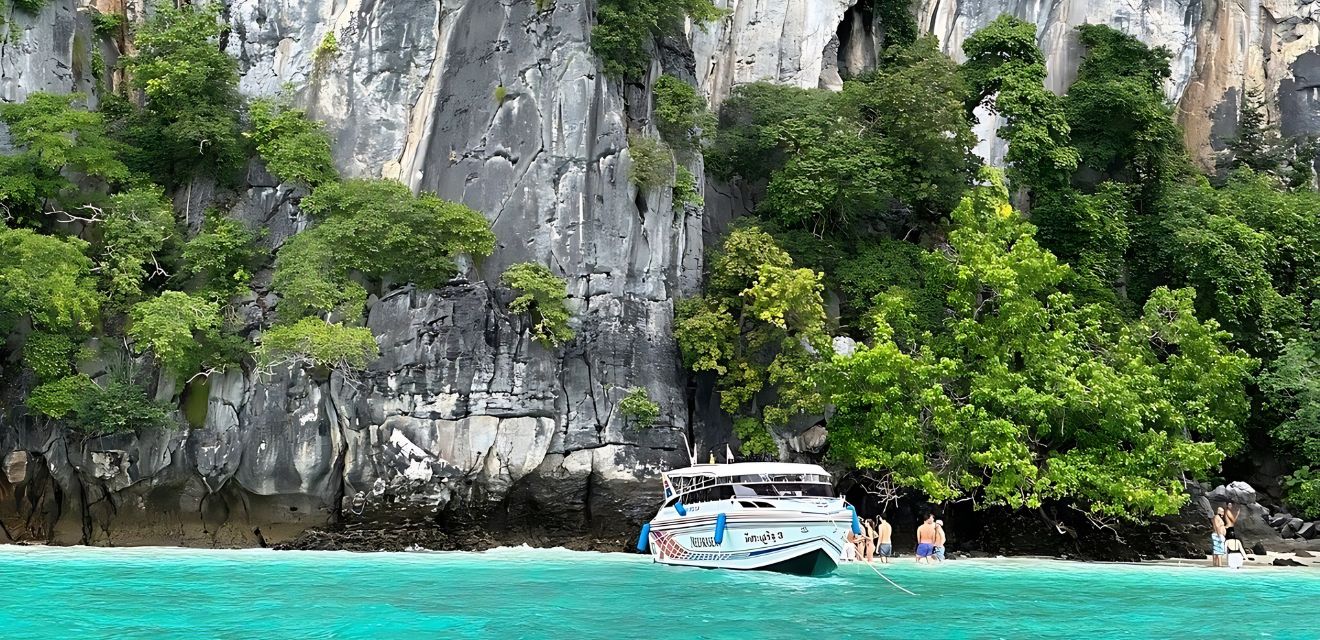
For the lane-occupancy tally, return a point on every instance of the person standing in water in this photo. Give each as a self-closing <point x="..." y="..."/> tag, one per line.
<point x="1237" y="554"/>
<point x="939" y="540"/>
<point x="1219" y="524"/>
<point x="886" y="539"/>
<point x="926" y="536"/>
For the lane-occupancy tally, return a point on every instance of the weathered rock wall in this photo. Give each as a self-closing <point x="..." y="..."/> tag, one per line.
<point x="463" y="409"/>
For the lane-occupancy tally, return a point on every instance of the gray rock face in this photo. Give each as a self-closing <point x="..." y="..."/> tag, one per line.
<point x="464" y="416"/>
<point x="49" y="51"/>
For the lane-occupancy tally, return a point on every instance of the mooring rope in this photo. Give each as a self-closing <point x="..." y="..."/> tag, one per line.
<point x="896" y="585"/>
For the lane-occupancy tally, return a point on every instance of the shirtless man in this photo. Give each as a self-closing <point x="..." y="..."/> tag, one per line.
<point x="940" y="539"/>
<point x="1219" y="524"/>
<point x="885" y="534"/>
<point x="927" y="534"/>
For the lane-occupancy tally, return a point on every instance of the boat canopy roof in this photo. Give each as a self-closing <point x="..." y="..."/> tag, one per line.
<point x="747" y="469"/>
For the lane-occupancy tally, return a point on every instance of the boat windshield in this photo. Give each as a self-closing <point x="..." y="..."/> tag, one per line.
<point x="784" y="489"/>
<point x="753" y="487"/>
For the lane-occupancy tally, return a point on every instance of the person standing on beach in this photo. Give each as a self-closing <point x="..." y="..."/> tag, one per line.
<point x="1219" y="524"/>
<point x="939" y="540"/>
<point x="1237" y="554"/>
<point x="886" y="539"/>
<point x="926" y="536"/>
<point x="868" y="530"/>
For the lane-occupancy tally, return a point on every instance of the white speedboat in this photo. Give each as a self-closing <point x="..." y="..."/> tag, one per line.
<point x="750" y="515"/>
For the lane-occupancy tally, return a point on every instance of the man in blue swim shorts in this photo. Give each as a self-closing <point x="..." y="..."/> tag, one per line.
<point x="927" y="533"/>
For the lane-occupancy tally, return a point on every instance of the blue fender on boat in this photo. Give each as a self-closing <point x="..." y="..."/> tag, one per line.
<point x="682" y="510"/>
<point x="645" y="537"/>
<point x="719" y="529"/>
<point x="857" y="526"/>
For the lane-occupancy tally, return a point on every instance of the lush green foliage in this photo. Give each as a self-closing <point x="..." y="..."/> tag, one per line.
<point x="62" y="396"/>
<point x="625" y="30"/>
<point x="135" y="228"/>
<point x="55" y="139"/>
<point x="760" y="326"/>
<point x="1292" y="385"/>
<point x="892" y="149"/>
<point x="680" y="113"/>
<point x="181" y="331"/>
<point x="1027" y="396"/>
<point x="315" y="343"/>
<point x="190" y="122"/>
<point x="638" y="407"/>
<point x="1120" y="120"/>
<point x="93" y="411"/>
<point x="686" y="191"/>
<point x="652" y="162"/>
<point x="895" y="18"/>
<point x="221" y="257"/>
<point x="541" y="295"/>
<point x="46" y="279"/>
<point x="31" y="6"/>
<point x="889" y="271"/>
<point x="295" y="148"/>
<point x="326" y="50"/>
<point x="1005" y="68"/>
<point x="744" y="145"/>
<point x="50" y="355"/>
<point x="378" y="229"/>
<point x="120" y="407"/>
<point x="107" y="25"/>
<point x="1302" y="491"/>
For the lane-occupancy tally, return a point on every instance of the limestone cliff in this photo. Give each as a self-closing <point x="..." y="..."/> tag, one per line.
<point x="501" y="105"/>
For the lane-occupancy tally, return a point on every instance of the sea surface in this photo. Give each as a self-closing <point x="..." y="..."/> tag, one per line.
<point x="87" y="593"/>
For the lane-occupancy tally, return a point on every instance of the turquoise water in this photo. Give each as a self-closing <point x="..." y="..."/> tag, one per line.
<point x="523" y="593"/>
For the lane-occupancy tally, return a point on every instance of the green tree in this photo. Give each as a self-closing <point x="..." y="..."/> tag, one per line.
<point x="1119" y="119"/>
<point x="189" y="125"/>
<point x="1027" y="396"/>
<point x="376" y="229"/>
<point x="1256" y="145"/>
<point x="652" y="162"/>
<point x="46" y="279"/>
<point x="638" y="407"/>
<point x="742" y="144"/>
<point x="319" y="345"/>
<point x="626" y="29"/>
<point x="120" y="407"/>
<point x="136" y="225"/>
<point x="50" y="355"/>
<point x="221" y="257"/>
<point x="181" y="331"/>
<point x="896" y="22"/>
<point x="1006" y="72"/>
<point x="295" y="147"/>
<point x="541" y="295"/>
<point x="680" y="113"/>
<point x="1291" y="384"/>
<point x="758" y="329"/>
<point x="895" y="147"/>
<point x="54" y="139"/>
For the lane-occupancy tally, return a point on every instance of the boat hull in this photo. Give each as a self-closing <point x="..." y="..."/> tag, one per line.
<point x="804" y="546"/>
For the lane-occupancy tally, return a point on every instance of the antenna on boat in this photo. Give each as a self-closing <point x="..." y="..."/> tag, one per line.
<point x="689" y="450"/>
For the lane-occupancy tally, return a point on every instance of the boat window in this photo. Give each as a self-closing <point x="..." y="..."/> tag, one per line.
<point x="773" y="477"/>
<point x="707" y="494"/>
<point x="789" y="489"/>
<point x="743" y="491"/>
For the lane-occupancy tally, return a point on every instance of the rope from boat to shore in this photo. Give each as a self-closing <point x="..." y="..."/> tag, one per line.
<point x="887" y="579"/>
